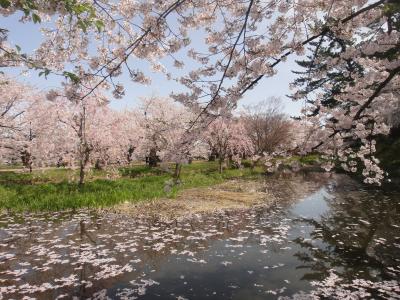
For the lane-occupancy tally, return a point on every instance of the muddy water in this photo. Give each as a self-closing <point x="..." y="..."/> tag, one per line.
<point x="324" y="236"/>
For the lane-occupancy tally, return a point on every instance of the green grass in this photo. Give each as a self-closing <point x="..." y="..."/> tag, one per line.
<point x="12" y="166"/>
<point x="53" y="189"/>
<point x="309" y="159"/>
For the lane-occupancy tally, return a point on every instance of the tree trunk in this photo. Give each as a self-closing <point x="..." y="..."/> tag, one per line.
<point x="131" y="149"/>
<point x="221" y="160"/>
<point x="81" y="173"/>
<point x="177" y="173"/>
<point x="82" y="164"/>
<point x="83" y="149"/>
<point x="229" y="161"/>
<point x="153" y="158"/>
<point x="29" y="157"/>
<point x="213" y="155"/>
<point x="99" y="165"/>
<point x="26" y="158"/>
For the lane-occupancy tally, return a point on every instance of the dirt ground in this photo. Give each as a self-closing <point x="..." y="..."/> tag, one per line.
<point x="233" y="194"/>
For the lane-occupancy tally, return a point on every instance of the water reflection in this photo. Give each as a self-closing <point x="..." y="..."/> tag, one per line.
<point x="358" y="234"/>
<point x="318" y="224"/>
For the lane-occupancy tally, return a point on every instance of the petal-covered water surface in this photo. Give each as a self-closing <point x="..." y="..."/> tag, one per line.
<point x="324" y="236"/>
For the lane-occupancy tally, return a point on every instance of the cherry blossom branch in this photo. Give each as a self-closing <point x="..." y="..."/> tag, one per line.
<point x="221" y="81"/>
<point x="323" y="32"/>
<point x="131" y="48"/>
<point x="376" y="93"/>
<point x="366" y="104"/>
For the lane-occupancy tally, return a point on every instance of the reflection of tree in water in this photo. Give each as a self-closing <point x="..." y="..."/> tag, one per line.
<point x="106" y="251"/>
<point x="83" y="266"/>
<point x="288" y="188"/>
<point x="358" y="236"/>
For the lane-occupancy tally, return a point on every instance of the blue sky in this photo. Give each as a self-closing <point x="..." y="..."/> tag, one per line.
<point x="28" y="37"/>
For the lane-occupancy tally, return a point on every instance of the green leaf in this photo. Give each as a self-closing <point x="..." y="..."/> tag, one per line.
<point x="36" y="18"/>
<point x="99" y="25"/>
<point x="73" y="77"/>
<point x="82" y="25"/>
<point x="391" y="8"/>
<point x="45" y="72"/>
<point x="27" y="6"/>
<point x="5" y="3"/>
<point x="18" y="48"/>
<point x="80" y="8"/>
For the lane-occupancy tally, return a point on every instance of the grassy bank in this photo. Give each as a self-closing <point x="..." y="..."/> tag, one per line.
<point x="56" y="189"/>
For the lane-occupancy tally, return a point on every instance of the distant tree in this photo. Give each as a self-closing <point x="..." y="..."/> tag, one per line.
<point x="90" y="120"/>
<point x="26" y="123"/>
<point x="228" y="139"/>
<point x="268" y="128"/>
<point x="15" y="96"/>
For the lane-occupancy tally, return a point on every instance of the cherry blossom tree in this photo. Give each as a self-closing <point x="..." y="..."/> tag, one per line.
<point x="33" y="141"/>
<point x="90" y="120"/>
<point x="244" y="42"/>
<point x="100" y="38"/>
<point x="228" y="139"/>
<point x="350" y="85"/>
<point x="13" y="101"/>
<point x="164" y="124"/>
<point x="165" y="134"/>
<point x="22" y="125"/>
<point x="64" y="130"/>
<point x="128" y="134"/>
<point x="241" y="54"/>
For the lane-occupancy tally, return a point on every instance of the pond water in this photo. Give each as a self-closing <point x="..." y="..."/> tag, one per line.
<point x="324" y="236"/>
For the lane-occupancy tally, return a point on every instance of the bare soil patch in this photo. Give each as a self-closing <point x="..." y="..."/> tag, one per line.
<point x="230" y="195"/>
